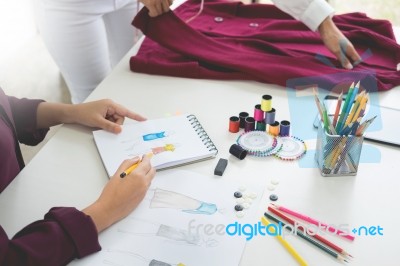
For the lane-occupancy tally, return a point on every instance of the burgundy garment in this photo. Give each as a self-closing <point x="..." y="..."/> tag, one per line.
<point x="17" y="123"/>
<point x="63" y="234"/>
<point x="260" y="42"/>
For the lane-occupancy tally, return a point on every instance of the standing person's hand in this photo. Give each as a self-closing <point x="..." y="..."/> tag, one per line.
<point x="121" y="195"/>
<point x="157" y="7"/>
<point x="338" y="44"/>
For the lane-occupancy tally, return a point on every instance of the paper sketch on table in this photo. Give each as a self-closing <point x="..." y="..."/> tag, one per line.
<point x="152" y="262"/>
<point x="149" y="136"/>
<point x="174" y="200"/>
<point x="170" y="234"/>
<point x="174" y="141"/>
<point x="133" y="141"/>
<point x="171" y="224"/>
<point x="139" y="145"/>
<point x="138" y="151"/>
<point x="157" y="135"/>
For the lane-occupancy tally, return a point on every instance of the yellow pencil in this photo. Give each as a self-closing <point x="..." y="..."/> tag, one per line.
<point x="363" y="104"/>
<point x="133" y="166"/>
<point x="285" y="244"/>
<point x="338" y="151"/>
<point x="355" y="108"/>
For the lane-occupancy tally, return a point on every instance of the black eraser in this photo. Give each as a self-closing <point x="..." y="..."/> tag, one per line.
<point x="220" y="168"/>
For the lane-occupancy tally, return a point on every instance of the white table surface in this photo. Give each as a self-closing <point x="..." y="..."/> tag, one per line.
<point x="68" y="170"/>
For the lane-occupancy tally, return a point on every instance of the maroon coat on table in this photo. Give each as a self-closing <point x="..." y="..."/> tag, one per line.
<point x="64" y="233"/>
<point x="230" y="40"/>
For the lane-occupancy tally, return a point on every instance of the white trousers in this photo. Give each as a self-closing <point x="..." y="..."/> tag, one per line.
<point x="86" y="38"/>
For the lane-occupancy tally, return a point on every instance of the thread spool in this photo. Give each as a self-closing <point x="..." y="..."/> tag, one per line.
<point x="237" y="151"/>
<point x="258" y="113"/>
<point x="266" y="103"/>
<point x="242" y="117"/>
<point x="270" y="116"/>
<point x="274" y="129"/>
<point x="249" y="124"/>
<point x="261" y="126"/>
<point x="284" y="128"/>
<point x="234" y="124"/>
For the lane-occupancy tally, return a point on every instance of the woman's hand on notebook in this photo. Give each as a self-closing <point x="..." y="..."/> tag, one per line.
<point x="104" y="114"/>
<point x="338" y="44"/>
<point x="121" y="195"/>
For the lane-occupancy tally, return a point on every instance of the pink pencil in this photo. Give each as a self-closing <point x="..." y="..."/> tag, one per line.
<point x="315" y="222"/>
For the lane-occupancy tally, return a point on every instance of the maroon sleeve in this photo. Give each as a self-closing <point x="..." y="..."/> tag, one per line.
<point x="64" y="234"/>
<point x="24" y="116"/>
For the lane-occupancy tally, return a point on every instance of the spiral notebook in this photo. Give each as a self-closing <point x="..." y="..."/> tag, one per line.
<point x="173" y="141"/>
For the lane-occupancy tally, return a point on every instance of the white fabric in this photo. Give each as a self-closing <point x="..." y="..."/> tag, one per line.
<point x="310" y="12"/>
<point x="86" y="38"/>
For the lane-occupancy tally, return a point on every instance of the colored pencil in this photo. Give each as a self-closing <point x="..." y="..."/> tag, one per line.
<point x="363" y="127"/>
<point x="326" y="119"/>
<point x="285" y="244"/>
<point x="353" y="96"/>
<point x="315" y="222"/>
<point x="338" y="105"/>
<point x="337" y="152"/>
<point x="355" y="110"/>
<point x="318" y="103"/>
<point x="344" y="109"/>
<point x="134" y="166"/>
<point x="308" y="239"/>
<point x="363" y="106"/>
<point x="313" y="234"/>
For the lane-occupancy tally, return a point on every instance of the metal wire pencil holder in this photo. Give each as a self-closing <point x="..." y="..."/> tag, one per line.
<point x="337" y="155"/>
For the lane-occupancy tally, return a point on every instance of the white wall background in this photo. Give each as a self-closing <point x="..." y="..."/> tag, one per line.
<point x="17" y="26"/>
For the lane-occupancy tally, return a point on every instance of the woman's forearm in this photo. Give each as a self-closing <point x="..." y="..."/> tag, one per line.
<point x="51" y="114"/>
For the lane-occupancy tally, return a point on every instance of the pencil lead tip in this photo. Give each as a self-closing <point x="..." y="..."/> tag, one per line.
<point x="274" y="205"/>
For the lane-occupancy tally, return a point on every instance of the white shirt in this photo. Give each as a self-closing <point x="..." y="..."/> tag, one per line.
<point x="310" y="12"/>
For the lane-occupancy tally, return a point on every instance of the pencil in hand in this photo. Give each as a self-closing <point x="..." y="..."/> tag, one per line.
<point x="134" y="166"/>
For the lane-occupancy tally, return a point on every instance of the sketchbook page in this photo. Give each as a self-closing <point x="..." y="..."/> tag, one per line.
<point x="172" y="140"/>
<point x="182" y="219"/>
